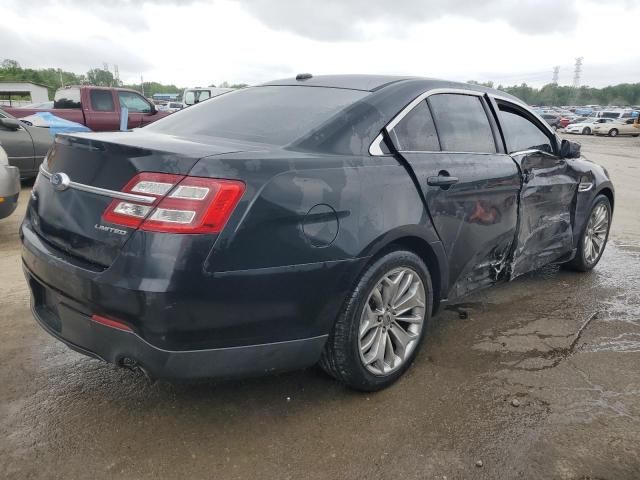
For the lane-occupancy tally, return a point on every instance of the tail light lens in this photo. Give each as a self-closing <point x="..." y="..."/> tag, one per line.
<point x="181" y="204"/>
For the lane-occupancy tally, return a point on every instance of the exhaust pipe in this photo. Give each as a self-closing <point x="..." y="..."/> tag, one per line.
<point x="134" y="366"/>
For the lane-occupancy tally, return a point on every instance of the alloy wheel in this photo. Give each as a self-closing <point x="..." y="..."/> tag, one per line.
<point x="392" y="321"/>
<point x="596" y="233"/>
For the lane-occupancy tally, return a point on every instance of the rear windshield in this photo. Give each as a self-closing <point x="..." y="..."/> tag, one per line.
<point x="67" y="98"/>
<point x="275" y="115"/>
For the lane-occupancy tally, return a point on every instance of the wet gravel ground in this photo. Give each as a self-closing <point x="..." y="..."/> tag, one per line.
<point x="539" y="378"/>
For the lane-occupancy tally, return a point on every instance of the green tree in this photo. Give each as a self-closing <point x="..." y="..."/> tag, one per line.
<point x="9" y="64"/>
<point x="100" y="77"/>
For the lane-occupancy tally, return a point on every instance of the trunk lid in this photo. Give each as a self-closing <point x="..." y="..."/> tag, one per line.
<point x="71" y="220"/>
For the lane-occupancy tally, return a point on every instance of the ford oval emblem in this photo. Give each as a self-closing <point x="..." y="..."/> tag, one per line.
<point x="60" y="181"/>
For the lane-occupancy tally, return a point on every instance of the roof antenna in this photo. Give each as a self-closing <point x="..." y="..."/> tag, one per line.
<point x="304" y="76"/>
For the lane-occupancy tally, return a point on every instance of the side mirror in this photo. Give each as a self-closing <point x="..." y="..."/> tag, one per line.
<point x="154" y="110"/>
<point x="10" y="123"/>
<point x="569" y="149"/>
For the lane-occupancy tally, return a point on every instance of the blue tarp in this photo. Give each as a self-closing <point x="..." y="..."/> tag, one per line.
<point x="54" y="123"/>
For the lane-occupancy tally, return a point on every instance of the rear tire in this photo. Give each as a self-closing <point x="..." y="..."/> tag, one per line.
<point x="586" y="131"/>
<point x="594" y="236"/>
<point x="613" y="132"/>
<point x="371" y="346"/>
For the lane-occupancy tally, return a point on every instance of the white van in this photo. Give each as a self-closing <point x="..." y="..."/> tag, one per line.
<point x="195" y="95"/>
<point x="615" y="114"/>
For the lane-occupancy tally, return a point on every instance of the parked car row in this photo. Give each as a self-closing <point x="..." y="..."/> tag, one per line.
<point x="573" y="122"/>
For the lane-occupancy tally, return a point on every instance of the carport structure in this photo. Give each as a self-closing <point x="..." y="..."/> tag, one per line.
<point x="38" y="93"/>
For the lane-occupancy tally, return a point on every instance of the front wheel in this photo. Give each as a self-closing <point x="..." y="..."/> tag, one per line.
<point x="613" y="132"/>
<point x="379" y="331"/>
<point x="586" y="131"/>
<point x="594" y="236"/>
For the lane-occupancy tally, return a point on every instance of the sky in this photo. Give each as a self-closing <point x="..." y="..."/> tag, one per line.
<point x="195" y="43"/>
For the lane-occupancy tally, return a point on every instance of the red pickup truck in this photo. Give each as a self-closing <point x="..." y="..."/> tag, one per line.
<point x="98" y="107"/>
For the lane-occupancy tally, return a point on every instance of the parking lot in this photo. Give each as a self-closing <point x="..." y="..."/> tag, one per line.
<point x="535" y="379"/>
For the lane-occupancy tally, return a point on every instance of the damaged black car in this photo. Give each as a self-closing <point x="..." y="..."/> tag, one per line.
<point x="309" y="220"/>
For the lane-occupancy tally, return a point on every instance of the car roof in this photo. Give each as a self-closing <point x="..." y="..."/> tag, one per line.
<point x="368" y="83"/>
<point x="373" y="83"/>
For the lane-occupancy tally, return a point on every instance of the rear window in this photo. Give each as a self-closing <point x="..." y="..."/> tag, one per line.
<point x="462" y="123"/>
<point x="275" y="115"/>
<point x="67" y="98"/>
<point x="102" y="100"/>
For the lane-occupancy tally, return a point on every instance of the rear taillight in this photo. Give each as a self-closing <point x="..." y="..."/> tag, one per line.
<point x="181" y="204"/>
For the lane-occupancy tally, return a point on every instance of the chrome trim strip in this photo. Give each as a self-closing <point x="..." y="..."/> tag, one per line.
<point x="434" y="91"/>
<point x="531" y="151"/>
<point x="375" y="145"/>
<point x="374" y="148"/>
<point x="102" y="191"/>
<point x="526" y="107"/>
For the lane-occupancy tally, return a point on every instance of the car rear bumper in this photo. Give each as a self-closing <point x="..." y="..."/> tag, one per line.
<point x="56" y="315"/>
<point x="239" y="323"/>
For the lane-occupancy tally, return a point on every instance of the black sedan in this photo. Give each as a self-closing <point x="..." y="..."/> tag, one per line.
<point x="316" y="219"/>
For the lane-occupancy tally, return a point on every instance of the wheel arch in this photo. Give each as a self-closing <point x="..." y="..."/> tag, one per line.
<point x="607" y="192"/>
<point x="431" y="252"/>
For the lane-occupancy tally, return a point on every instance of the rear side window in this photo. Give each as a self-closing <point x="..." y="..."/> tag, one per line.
<point x="521" y="133"/>
<point x="102" y="101"/>
<point x="462" y="123"/>
<point x="416" y="132"/>
<point x="67" y="98"/>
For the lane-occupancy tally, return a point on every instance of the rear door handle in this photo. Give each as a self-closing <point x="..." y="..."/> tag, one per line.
<point x="442" y="181"/>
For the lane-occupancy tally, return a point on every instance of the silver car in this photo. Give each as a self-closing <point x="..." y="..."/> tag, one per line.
<point x="25" y="146"/>
<point x="9" y="185"/>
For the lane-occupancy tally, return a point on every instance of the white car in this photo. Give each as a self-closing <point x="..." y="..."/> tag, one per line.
<point x="171" y="107"/>
<point x="622" y="126"/>
<point x="191" y="96"/>
<point x="586" y="126"/>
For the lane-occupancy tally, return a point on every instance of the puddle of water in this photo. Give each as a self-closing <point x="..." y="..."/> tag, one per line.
<point x="624" y="343"/>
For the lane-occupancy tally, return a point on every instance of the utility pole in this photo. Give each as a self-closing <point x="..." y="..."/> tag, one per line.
<point x="61" y="80"/>
<point x="577" y="71"/>
<point x="556" y="74"/>
<point x="142" y="85"/>
<point x="116" y="74"/>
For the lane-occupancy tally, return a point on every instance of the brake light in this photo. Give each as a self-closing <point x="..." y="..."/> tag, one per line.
<point x="181" y="204"/>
